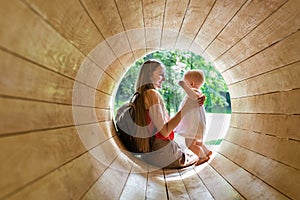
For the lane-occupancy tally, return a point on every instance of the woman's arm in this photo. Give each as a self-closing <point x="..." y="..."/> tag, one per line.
<point x="156" y="112"/>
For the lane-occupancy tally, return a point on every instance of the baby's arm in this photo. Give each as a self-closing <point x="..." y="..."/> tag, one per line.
<point x="190" y="92"/>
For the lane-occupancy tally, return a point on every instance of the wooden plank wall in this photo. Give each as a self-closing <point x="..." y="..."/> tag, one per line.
<point x="254" y="44"/>
<point x="263" y="79"/>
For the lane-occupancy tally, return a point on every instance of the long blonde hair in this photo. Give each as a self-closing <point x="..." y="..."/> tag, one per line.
<point x="144" y="82"/>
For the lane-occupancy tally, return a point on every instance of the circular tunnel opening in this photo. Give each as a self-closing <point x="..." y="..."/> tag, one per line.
<point x="177" y="62"/>
<point x="255" y="44"/>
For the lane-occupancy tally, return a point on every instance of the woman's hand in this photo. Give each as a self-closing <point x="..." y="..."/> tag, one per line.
<point x="201" y="100"/>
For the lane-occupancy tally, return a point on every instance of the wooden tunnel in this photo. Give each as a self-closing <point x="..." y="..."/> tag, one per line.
<point x="62" y="61"/>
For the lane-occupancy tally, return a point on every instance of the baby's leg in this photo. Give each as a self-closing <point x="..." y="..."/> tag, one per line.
<point x="191" y="144"/>
<point x="199" y="142"/>
<point x="206" y="151"/>
<point x="204" y="148"/>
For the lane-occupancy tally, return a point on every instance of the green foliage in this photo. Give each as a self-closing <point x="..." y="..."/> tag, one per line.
<point x="214" y="89"/>
<point x="214" y="142"/>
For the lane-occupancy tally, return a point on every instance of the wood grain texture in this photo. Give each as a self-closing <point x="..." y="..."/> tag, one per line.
<point x="279" y="55"/>
<point x="89" y="73"/>
<point x="283" y="178"/>
<point x="51" y="149"/>
<point x="19" y="116"/>
<point x="71" y="21"/>
<point x="48" y="148"/>
<point x="282" y="79"/>
<point x="103" y="100"/>
<point x="71" y="181"/>
<point x="111" y="178"/>
<point x="131" y="13"/>
<point x="39" y="43"/>
<point x="248" y="17"/>
<point x="173" y="19"/>
<point x="196" y="14"/>
<point x="273" y="103"/>
<point x="280" y="24"/>
<point x="106" y="16"/>
<point x="156" y="186"/>
<point x="193" y="183"/>
<point x="115" y="70"/>
<point x="126" y="60"/>
<point x="135" y="186"/>
<point x="219" y="16"/>
<point x="108" y="129"/>
<point x="23" y="115"/>
<point x="46" y="48"/>
<point x="106" y="84"/>
<point x="249" y="186"/>
<point x="286" y="126"/>
<point x="175" y="186"/>
<point x="278" y="149"/>
<point x="217" y="186"/>
<point x="153" y="20"/>
<point x="23" y="79"/>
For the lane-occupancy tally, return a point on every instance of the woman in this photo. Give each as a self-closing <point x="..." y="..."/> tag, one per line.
<point x="150" y="111"/>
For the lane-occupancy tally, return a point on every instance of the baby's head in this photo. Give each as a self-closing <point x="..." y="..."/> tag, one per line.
<point x="194" y="77"/>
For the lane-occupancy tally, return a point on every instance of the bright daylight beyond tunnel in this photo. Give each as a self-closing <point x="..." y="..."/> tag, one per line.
<point x="217" y="103"/>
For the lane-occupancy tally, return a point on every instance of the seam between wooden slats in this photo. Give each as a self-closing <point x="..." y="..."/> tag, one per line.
<point x="125" y="181"/>
<point x="266" y="72"/>
<point x="202" y="23"/>
<point x="249" y="173"/>
<point x="50" y="102"/>
<point x="251" y="30"/>
<point x="86" y="56"/>
<point x="274" y="43"/>
<point x="49" y="69"/>
<point x="162" y="26"/>
<point x="166" y="185"/>
<point x="89" y="15"/>
<point x="124" y="29"/>
<point x="273" y="159"/>
<point x="223" y="27"/>
<point x="263" y="133"/>
<point x="266" y="93"/>
<point x="54" y="169"/>
<point x="178" y="33"/>
<point x="145" y="35"/>
<point x="207" y="188"/>
<point x="2" y="135"/>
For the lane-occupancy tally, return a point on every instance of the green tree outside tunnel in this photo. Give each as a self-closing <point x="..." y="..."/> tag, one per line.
<point x="177" y="62"/>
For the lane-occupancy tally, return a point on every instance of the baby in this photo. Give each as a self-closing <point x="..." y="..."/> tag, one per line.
<point x="192" y="125"/>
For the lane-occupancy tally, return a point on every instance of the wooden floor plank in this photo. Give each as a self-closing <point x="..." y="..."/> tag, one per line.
<point x="135" y="186"/>
<point x="156" y="188"/>
<point x="215" y="183"/>
<point x="114" y="178"/>
<point x="68" y="182"/>
<point x="245" y="183"/>
<point x="194" y="185"/>
<point x="175" y="186"/>
<point x="284" y="178"/>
